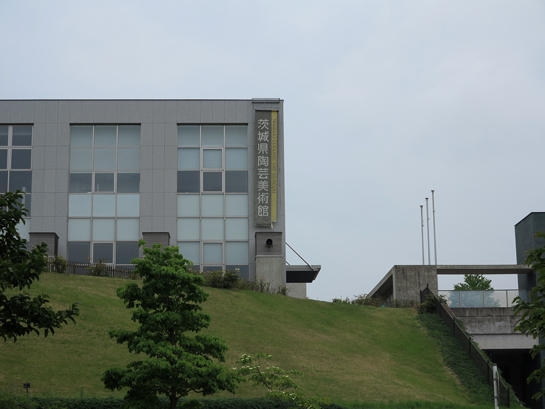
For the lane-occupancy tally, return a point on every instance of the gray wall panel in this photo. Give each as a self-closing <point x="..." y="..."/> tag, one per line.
<point x="244" y="110"/>
<point x="16" y="112"/>
<point x="50" y="158"/>
<point x="49" y="205"/>
<point x="135" y="112"/>
<point x="171" y="134"/>
<point x="170" y="226"/>
<point x="99" y="111"/>
<point x="87" y="112"/>
<point x="63" y="134"/>
<point x="51" y="134"/>
<point x="48" y="224"/>
<point x="146" y="180"/>
<point x="62" y="181"/>
<point x="158" y="203"/>
<point x="52" y="112"/>
<point x="36" y="223"/>
<point x="123" y="109"/>
<point x="146" y="204"/>
<point x="158" y="134"/>
<point x="145" y="224"/>
<point x="159" y="111"/>
<point x="218" y="112"/>
<point x="111" y="112"/>
<point x="230" y="112"/>
<point x="146" y="134"/>
<point x="194" y="112"/>
<point x="37" y="182"/>
<point x="147" y="111"/>
<point x="37" y="205"/>
<point x="182" y="111"/>
<point x="171" y="181"/>
<point x="171" y="206"/>
<point x="207" y="111"/>
<point x="64" y="112"/>
<point x="157" y="224"/>
<point x="61" y="206"/>
<point x="170" y="111"/>
<point x="5" y="109"/>
<point x="38" y="161"/>
<point x="146" y="157"/>
<point x="158" y="182"/>
<point x="28" y="111"/>
<point x="158" y="157"/>
<point x="50" y="180"/>
<point x="75" y="112"/>
<point x="38" y="134"/>
<point x="39" y="111"/>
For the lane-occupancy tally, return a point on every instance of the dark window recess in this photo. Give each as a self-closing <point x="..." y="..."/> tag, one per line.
<point x="3" y="135"/>
<point x="211" y="182"/>
<point x="104" y="252"/>
<point x="20" y="159"/>
<point x="3" y="181"/>
<point x="236" y="181"/>
<point x="104" y="182"/>
<point x="80" y="182"/>
<point x="20" y="180"/>
<point x="3" y="159"/>
<point x="188" y="181"/>
<point x="125" y="251"/>
<point x="79" y="251"/>
<point x="22" y="135"/>
<point x="128" y="183"/>
<point x="243" y="270"/>
<point x="212" y="268"/>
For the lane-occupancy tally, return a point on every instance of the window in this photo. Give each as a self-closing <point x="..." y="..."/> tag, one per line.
<point x="16" y="161"/>
<point x="104" y="193"/>
<point x="213" y="196"/>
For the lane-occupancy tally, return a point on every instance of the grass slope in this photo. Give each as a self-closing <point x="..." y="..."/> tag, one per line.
<point x="349" y="353"/>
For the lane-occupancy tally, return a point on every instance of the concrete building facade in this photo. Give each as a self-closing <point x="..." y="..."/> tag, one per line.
<point x="206" y="175"/>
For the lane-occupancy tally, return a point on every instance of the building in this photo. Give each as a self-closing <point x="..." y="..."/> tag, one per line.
<point x="206" y="175"/>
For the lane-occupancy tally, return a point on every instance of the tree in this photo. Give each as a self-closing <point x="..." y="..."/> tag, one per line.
<point x="168" y="311"/>
<point x="280" y="386"/>
<point x="21" y="314"/>
<point x="474" y="282"/>
<point x="532" y="312"/>
<point x="472" y="292"/>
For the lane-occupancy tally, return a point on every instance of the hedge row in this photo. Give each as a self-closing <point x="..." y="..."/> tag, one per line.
<point x="112" y="403"/>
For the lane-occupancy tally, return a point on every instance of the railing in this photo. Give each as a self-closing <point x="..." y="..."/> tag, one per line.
<point x="482" y="299"/>
<point x="477" y="356"/>
<point x="102" y="270"/>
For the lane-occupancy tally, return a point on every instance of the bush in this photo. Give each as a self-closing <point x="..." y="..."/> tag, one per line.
<point x="98" y="269"/>
<point x="11" y="401"/>
<point x="58" y="264"/>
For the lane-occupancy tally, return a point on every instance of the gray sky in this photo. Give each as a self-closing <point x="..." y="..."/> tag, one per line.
<point x="384" y="101"/>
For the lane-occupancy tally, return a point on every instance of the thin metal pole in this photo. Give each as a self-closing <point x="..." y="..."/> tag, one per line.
<point x="422" y="229"/>
<point x="428" y="228"/>
<point x="434" y="239"/>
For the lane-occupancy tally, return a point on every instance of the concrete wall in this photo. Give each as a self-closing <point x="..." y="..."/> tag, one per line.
<point x="406" y="282"/>
<point x="297" y="290"/>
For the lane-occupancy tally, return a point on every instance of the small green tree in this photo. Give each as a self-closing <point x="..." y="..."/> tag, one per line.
<point x="168" y="311"/>
<point x="474" y="282"/>
<point x="532" y="312"/>
<point x="278" y="382"/>
<point x="21" y="314"/>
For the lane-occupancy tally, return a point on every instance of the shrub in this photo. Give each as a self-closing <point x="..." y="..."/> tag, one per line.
<point x="58" y="264"/>
<point x="98" y="269"/>
<point x="11" y="401"/>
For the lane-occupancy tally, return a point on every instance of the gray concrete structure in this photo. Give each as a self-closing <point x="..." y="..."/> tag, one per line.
<point x="50" y="239"/>
<point x="100" y="173"/>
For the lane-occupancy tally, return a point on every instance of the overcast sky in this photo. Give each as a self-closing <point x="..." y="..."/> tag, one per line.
<point x="384" y="101"/>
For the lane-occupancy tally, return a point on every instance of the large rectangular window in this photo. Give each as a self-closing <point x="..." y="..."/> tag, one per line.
<point x="16" y="161"/>
<point x="213" y="196"/>
<point x="104" y="193"/>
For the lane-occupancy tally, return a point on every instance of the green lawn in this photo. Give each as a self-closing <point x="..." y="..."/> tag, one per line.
<point x="349" y="353"/>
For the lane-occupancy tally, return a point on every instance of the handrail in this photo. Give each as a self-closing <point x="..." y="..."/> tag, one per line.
<point x="482" y="362"/>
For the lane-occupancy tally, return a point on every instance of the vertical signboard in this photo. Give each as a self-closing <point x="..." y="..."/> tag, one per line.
<point x="266" y="176"/>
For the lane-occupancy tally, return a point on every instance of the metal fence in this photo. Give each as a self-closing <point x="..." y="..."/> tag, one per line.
<point x="477" y="356"/>
<point x="482" y="299"/>
<point x="97" y="269"/>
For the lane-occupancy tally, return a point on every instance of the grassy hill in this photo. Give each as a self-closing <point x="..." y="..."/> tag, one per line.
<point x="349" y="353"/>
